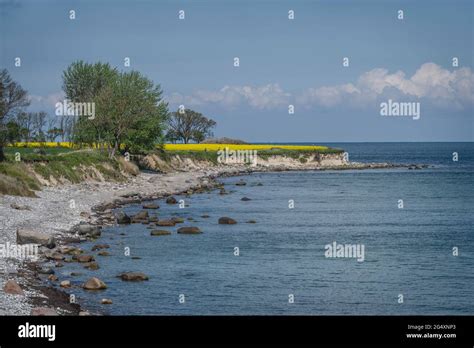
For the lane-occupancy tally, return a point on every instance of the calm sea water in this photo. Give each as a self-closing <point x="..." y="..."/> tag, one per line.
<point x="407" y="251"/>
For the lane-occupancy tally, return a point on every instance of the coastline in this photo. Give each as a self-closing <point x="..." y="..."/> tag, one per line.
<point x="51" y="213"/>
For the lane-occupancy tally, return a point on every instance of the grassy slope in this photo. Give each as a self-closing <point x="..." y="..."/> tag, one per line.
<point x="17" y="177"/>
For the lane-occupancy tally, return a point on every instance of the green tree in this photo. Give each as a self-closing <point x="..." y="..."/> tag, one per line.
<point x="13" y="99"/>
<point x="132" y="113"/>
<point x="14" y="132"/>
<point x="189" y="125"/>
<point x="83" y="83"/>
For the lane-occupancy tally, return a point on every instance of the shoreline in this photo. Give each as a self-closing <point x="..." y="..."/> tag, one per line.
<point x="53" y="213"/>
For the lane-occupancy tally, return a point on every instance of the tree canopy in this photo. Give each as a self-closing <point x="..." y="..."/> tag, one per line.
<point x="13" y="99"/>
<point x="188" y="125"/>
<point x="130" y="112"/>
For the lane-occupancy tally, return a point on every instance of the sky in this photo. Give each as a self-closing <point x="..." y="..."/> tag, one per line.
<point x="282" y="61"/>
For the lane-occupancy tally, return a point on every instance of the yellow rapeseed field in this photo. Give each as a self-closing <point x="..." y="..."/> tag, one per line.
<point x="259" y="147"/>
<point x="197" y="147"/>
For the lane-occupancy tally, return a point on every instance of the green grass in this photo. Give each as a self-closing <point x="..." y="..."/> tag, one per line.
<point x="18" y="179"/>
<point x="29" y="152"/>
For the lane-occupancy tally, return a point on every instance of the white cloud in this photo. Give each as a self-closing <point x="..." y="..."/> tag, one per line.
<point x="46" y="102"/>
<point x="269" y="96"/>
<point x="440" y="86"/>
<point x="452" y="89"/>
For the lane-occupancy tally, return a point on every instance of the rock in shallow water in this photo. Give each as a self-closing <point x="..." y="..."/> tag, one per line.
<point x="94" y="284"/>
<point x="83" y="258"/>
<point x="65" y="284"/>
<point x="160" y="233"/>
<point x="165" y="223"/>
<point x="189" y="230"/>
<point x="100" y="246"/>
<point x="133" y="276"/>
<point x="227" y="221"/>
<point x="122" y="218"/>
<point x="89" y="230"/>
<point x="171" y="200"/>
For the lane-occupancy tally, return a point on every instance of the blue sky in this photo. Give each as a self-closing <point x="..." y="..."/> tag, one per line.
<point x="282" y="61"/>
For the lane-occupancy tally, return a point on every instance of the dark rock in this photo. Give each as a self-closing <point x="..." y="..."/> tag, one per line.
<point x="205" y="216"/>
<point x="251" y="222"/>
<point x="245" y="199"/>
<point x="189" y="230"/>
<point x="171" y="200"/>
<point x="83" y="258"/>
<point x="133" y="276"/>
<point x="165" y="223"/>
<point x="240" y="183"/>
<point x="100" y="246"/>
<point x="178" y="220"/>
<point x="122" y="218"/>
<point x="160" y="233"/>
<point x="143" y="215"/>
<point x="92" y="266"/>
<point x="150" y="206"/>
<point x="227" y="221"/>
<point x="103" y="253"/>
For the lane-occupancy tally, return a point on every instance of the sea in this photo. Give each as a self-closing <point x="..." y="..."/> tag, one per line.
<point x="415" y="228"/>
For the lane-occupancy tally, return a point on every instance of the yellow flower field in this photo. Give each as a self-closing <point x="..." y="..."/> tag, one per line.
<point x="45" y="144"/>
<point x="198" y="147"/>
<point x="259" y="147"/>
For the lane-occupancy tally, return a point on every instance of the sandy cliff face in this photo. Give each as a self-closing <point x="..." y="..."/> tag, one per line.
<point x="278" y="162"/>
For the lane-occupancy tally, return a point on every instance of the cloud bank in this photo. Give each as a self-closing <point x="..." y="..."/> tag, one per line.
<point x="431" y="82"/>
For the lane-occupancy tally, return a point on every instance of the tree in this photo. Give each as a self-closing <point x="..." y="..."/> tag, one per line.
<point x="39" y="123"/>
<point x="189" y="125"/>
<point x="82" y="83"/>
<point x="25" y="120"/>
<point x="131" y="113"/>
<point x="13" y="99"/>
<point x="13" y="132"/>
